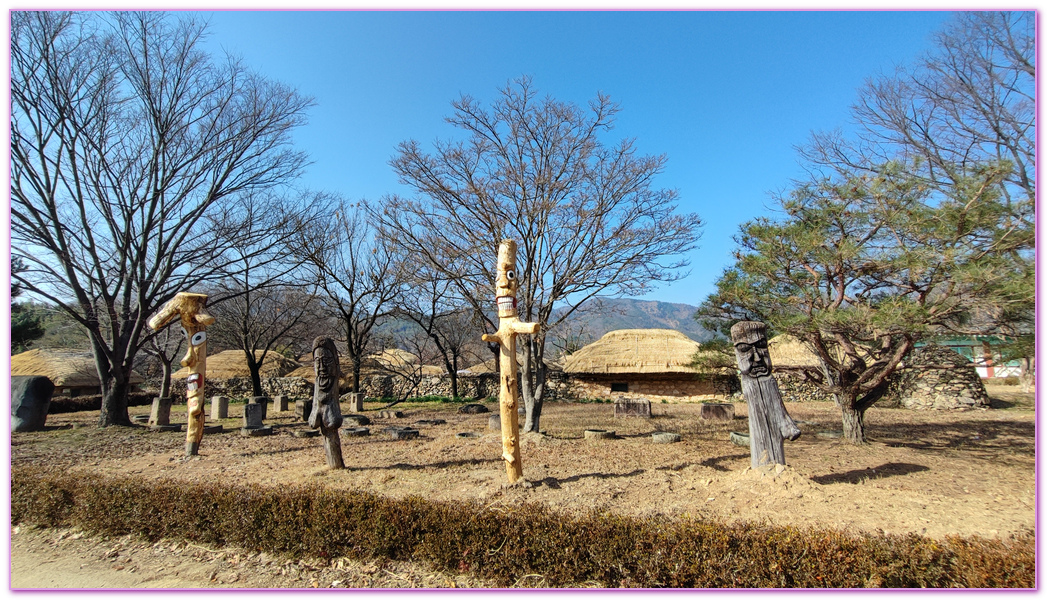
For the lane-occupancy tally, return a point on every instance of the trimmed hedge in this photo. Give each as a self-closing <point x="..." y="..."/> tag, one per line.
<point x="612" y="550"/>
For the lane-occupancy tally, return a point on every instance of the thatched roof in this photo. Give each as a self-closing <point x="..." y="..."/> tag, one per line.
<point x="65" y="368"/>
<point x="635" y="351"/>
<point x="233" y="363"/>
<point x="491" y="366"/>
<point x="787" y="351"/>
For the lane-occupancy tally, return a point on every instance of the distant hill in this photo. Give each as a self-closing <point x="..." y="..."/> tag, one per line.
<point x="609" y="314"/>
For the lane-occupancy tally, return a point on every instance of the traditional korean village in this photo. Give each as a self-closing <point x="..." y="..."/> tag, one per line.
<point x="523" y="300"/>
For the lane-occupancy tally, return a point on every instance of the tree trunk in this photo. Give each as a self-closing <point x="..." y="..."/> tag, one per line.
<point x="853" y="421"/>
<point x="1027" y="376"/>
<point x="534" y="396"/>
<point x="256" y="377"/>
<point x="165" y="380"/>
<point x="454" y="379"/>
<point x="114" y="402"/>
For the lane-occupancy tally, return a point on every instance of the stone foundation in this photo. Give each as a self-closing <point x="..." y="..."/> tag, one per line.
<point x="671" y="388"/>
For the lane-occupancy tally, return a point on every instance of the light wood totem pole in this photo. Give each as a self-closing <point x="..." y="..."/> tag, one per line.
<point x="509" y="326"/>
<point x="190" y="307"/>
<point x="769" y="424"/>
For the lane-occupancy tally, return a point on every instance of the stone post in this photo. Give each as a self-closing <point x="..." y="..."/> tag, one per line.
<point x="219" y="407"/>
<point x="253" y="416"/>
<point x="161" y="413"/>
<point x="280" y="403"/>
<point x="356" y="402"/>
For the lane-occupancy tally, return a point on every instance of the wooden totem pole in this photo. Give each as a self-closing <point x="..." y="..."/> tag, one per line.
<point x="190" y="307"/>
<point x="769" y="424"/>
<point x="509" y="326"/>
<point x="327" y="414"/>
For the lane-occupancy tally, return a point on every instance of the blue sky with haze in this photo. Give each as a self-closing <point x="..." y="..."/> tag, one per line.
<point x="725" y="95"/>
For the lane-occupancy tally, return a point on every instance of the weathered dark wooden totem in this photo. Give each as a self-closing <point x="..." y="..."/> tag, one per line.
<point x="769" y="424"/>
<point x="327" y="414"/>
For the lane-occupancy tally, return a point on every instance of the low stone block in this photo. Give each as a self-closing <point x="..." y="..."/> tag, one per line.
<point x="664" y="437"/>
<point x="280" y="403"/>
<point x="357" y="420"/>
<point x="390" y="414"/>
<point x="401" y="433"/>
<point x="161" y="412"/>
<point x="262" y="401"/>
<point x="253" y="415"/>
<point x="599" y="434"/>
<point x="717" y="411"/>
<point x="30" y="400"/>
<point x="632" y="407"/>
<point x="219" y="407"/>
<point x="355" y="431"/>
<point x="256" y="431"/>
<point x="356" y="401"/>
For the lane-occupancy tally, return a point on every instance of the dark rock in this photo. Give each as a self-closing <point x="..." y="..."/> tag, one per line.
<point x="473" y="409"/>
<point x="30" y="399"/>
<point x="401" y="433"/>
<point x="358" y="420"/>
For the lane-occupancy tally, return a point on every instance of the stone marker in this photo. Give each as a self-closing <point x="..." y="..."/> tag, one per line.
<point x="632" y="407"/>
<point x="355" y="431"/>
<point x="30" y="399"/>
<point x="356" y="401"/>
<point x="262" y="401"/>
<point x="430" y="422"/>
<point x="305" y="433"/>
<point x="357" y="420"/>
<point x="280" y="403"/>
<point x="664" y="437"/>
<point x="140" y="419"/>
<point x="598" y="434"/>
<point x="719" y="411"/>
<point x="769" y="423"/>
<point x="253" y="415"/>
<point x="739" y="439"/>
<point x="219" y="407"/>
<point x="401" y="433"/>
<point x="390" y="414"/>
<point x="302" y="408"/>
<point x="161" y="413"/>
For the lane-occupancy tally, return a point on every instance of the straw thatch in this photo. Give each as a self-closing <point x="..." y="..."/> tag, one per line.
<point x="641" y="351"/>
<point x="65" y="368"/>
<point x="233" y="363"/>
<point x="789" y="352"/>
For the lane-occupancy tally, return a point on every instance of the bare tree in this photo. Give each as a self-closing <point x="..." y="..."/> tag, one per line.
<point x="265" y="301"/>
<point x="127" y="140"/>
<point x="358" y="277"/>
<point x="444" y="318"/>
<point x="165" y="347"/>
<point x="586" y="216"/>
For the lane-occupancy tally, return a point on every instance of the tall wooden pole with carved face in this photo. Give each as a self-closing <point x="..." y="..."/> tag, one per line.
<point x="190" y="307"/>
<point x="509" y="326"/>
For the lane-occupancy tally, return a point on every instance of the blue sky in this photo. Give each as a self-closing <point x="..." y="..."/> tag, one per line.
<point x="725" y="95"/>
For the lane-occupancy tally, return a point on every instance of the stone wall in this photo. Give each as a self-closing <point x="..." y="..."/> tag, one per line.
<point x="674" y="388"/>
<point x="924" y="384"/>
<point x="240" y="387"/>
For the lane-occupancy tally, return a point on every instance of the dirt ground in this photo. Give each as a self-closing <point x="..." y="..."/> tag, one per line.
<point x="932" y="473"/>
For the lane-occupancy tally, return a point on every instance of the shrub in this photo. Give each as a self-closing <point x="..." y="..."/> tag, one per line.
<point x="506" y="547"/>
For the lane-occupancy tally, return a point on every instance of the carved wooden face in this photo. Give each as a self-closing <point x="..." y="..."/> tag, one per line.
<point x="506" y="284"/>
<point x="754" y="359"/>
<point x="325" y="364"/>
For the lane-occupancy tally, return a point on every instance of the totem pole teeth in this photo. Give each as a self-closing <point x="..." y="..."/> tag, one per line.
<point x="506" y="303"/>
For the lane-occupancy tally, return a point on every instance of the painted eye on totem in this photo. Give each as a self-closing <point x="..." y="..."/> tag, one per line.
<point x="185" y="333"/>
<point x="510" y="275"/>
<point x="198" y="338"/>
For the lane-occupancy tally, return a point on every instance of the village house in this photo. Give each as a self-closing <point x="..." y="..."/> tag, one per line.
<point x="655" y="364"/>
<point x="73" y="373"/>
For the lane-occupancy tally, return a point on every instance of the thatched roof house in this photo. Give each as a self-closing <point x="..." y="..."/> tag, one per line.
<point x="232" y="364"/>
<point x="72" y="372"/>
<point x="648" y="363"/>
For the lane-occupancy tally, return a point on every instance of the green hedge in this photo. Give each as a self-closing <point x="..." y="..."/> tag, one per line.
<point x="612" y="550"/>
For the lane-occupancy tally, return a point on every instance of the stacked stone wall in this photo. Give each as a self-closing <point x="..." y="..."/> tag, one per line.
<point x="654" y="388"/>
<point x="924" y="384"/>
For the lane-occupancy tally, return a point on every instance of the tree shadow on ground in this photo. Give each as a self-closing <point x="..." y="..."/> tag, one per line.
<point x="988" y="438"/>
<point x="714" y="462"/>
<point x="858" y="475"/>
<point x="469" y="462"/>
<point x="554" y="482"/>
